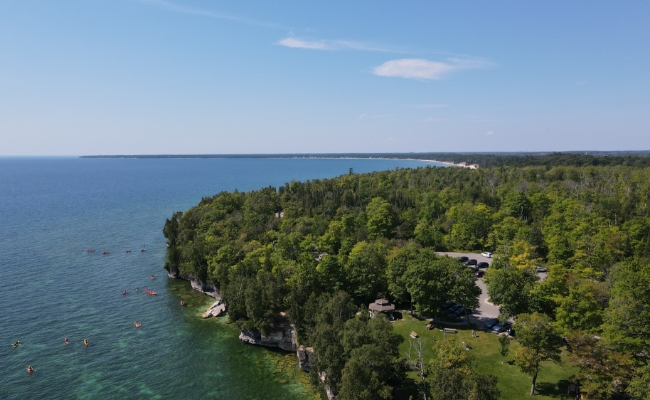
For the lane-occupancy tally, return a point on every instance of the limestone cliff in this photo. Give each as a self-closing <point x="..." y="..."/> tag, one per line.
<point x="283" y="337"/>
<point x="206" y="288"/>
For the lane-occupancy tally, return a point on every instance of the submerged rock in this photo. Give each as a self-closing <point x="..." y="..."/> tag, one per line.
<point x="215" y="310"/>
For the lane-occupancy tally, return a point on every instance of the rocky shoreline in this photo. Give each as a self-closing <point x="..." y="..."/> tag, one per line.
<point x="283" y="337"/>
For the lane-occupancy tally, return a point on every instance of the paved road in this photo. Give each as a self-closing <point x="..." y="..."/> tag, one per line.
<point x="485" y="309"/>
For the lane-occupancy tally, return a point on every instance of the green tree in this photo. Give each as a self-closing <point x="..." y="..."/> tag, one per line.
<point x="640" y="384"/>
<point x="504" y="346"/>
<point x="329" y="354"/>
<point x="627" y="318"/>
<point x="463" y="287"/>
<point x="583" y="308"/>
<point x="366" y="270"/>
<point x="602" y="371"/>
<point x="451" y="376"/>
<point x="374" y="368"/>
<point x="509" y="288"/>
<point x="427" y="281"/>
<point x="539" y="343"/>
<point x="379" y="218"/>
<point x="470" y="225"/>
<point x="398" y="263"/>
<point x="369" y="374"/>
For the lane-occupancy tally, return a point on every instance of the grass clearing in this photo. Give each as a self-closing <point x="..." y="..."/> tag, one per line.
<point x="552" y="381"/>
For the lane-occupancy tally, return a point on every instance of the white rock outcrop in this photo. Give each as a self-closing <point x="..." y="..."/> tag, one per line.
<point x="283" y="337"/>
<point x="215" y="310"/>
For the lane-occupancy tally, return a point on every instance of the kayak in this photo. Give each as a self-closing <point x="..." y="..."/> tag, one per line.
<point x="151" y="292"/>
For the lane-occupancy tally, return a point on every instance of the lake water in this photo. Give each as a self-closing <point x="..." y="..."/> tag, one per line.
<point x="53" y="209"/>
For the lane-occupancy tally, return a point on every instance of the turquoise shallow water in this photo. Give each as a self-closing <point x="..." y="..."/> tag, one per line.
<point x="52" y="209"/>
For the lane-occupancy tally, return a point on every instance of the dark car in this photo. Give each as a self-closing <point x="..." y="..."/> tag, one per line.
<point x="482" y="265"/>
<point x="489" y="324"/>
<point x="471" y="261"/>
<point x="463" y="311"/>
<point x="501" y="327"/>
<point x="463" y="259"/>
<point x="447" y="305"/>
<point x="453" y="309"/>
<point x="480" y="274"/>
<point x="511" y="332"/>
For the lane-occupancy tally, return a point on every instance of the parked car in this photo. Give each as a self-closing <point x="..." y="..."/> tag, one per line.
<point x="540" y="269"/>
<point x="489" y="324"/>
<point x="482" y="264"/>
<point x="462" y="311"/>
<point x="501" y="327"/>
<point x="486" y="254"/>
<point x="453" y="308"/>
<point x="471" y="261"/>
<point x="447" y="305"/>
<point x="511" y="332"/>
<point x="480" y="274"/>
<point x="463" y="259"/>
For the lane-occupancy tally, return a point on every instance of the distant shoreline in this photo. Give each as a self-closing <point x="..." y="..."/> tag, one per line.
<point x="280" y="156"/>
<point x="419" y="156"/>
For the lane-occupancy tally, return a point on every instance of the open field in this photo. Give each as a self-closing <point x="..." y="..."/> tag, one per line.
<point x="552" y="381"/>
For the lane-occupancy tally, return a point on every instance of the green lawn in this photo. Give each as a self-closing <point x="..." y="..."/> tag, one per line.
<point x="552" y="381"/>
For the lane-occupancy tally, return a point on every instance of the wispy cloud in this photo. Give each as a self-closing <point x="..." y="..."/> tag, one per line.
<point x="333" y="45"/>
<point x="434" y="105"/>
<point x="303" y="44"/>
<point x="489" y="133"/>
<point x="210" y="13"/>
<point x="417" y="68"/>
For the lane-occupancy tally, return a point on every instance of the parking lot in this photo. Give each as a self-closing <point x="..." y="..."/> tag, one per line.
<point x="486" y="310"/>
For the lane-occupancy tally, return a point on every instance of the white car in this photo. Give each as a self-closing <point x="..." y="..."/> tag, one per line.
<point x="486" y="254"/>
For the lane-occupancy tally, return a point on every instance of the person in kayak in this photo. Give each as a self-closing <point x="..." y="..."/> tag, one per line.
<point x="86" y="342"/>
<point x="30" y="369"/>
<point x="16" y="344"/>
<point x="65" y="340"/>
<point x="123" y="291"/>
<point x="137" y="289"/>
<point x="182" y="303"/>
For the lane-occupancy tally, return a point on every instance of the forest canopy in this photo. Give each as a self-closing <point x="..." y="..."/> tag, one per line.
<point x="319" y="250"/>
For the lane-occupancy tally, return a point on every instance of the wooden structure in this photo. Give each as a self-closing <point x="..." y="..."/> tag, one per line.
<point x="381" y="306"/>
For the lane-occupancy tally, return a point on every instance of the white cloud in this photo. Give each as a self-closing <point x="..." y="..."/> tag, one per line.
<point x="362" y="115"/>
<point x="331" y="45"/>
<point x="413" y="68"/>
<point x="303" y="44"/>
<point x="434" y="105"/>
<point x="417" y="68"/>
<point x="489" y="133"/>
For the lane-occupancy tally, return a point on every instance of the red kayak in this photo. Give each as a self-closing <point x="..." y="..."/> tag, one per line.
<point x="151" y="292"/>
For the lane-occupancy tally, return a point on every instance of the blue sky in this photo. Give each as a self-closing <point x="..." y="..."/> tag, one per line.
<point x="153" y="77"/>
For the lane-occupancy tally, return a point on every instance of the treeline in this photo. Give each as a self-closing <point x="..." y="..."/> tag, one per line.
<point x="484" y="160"/>
<point x="323" y="249"/>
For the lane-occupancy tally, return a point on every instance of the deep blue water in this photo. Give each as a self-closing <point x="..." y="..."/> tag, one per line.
<point x="52" y="209"/>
